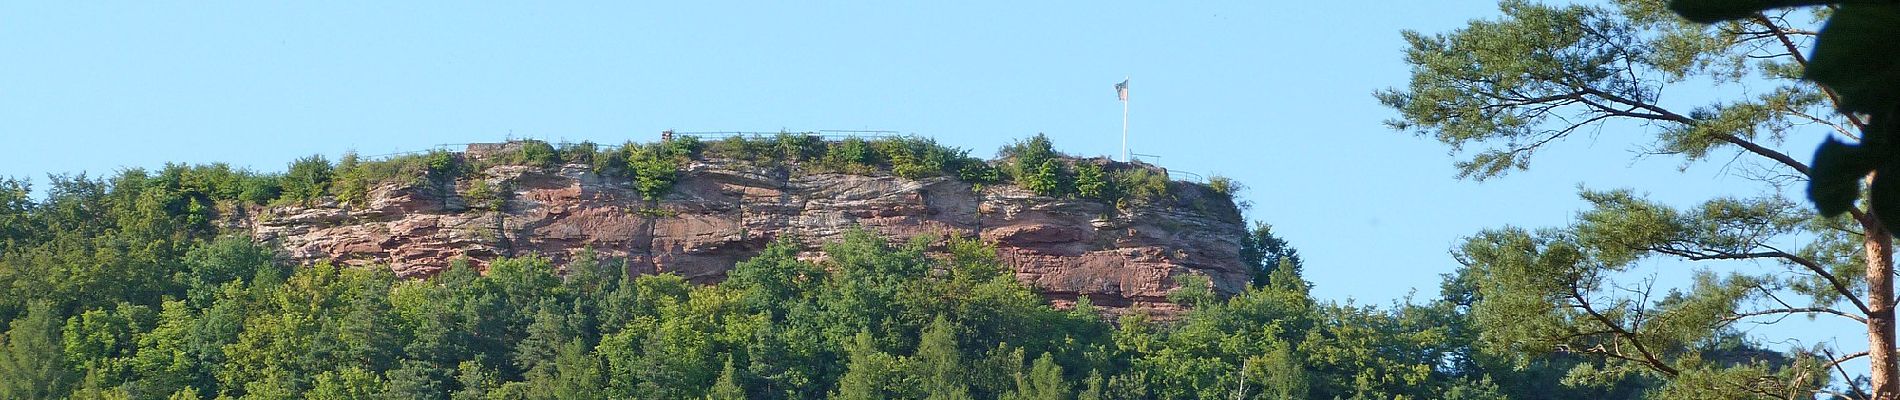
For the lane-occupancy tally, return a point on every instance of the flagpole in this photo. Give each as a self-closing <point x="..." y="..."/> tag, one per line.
<point x="1124" y="96"/>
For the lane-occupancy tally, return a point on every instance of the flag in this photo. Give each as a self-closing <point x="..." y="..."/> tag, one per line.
<point x="1121" y="90"/>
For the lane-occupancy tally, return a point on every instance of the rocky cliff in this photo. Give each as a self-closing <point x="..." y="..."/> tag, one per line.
<point x="723" y="211"/>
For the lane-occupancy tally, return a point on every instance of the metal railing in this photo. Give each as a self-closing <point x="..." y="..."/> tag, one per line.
<point x="826" y="134"/>
<point x="1186" y="176"/>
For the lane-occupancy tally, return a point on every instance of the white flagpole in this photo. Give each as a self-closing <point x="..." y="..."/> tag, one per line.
<point x="1125" y="123"/>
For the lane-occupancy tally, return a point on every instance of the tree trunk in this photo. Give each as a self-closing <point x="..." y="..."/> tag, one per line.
<point x="1880" y="324"/>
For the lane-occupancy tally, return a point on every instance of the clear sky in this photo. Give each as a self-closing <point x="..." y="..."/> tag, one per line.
<point x="1275" y="94"/>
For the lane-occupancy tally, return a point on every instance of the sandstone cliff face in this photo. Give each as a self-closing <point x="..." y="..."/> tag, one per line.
<point x="721" y="212"/>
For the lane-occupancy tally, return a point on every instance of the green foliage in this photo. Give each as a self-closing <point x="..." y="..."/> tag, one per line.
<point x="1543" y="72"/>
<point x="32" y="364"/>
<point x="918" y="158"/>
<point x="481" y="194"/>
<point x="1564" y="297"/>
<point x="355" y="177"/>
<point x="350" y="186"/>
<point x="1516" y="272"/>
<point x="1024" y="156"/>
<point x="100" y="342"/>
<point x="849" y="155"/>
<point x="939" y="363"/>
<point x="979" y="173"/>
<point x="577" y="153"/>
<point x="1044" y="382"/>
<point x="260" y="189"/>
<point x="870" y="374"/>
<point x="1268" y="253"/>
<point x="1192" y="290"/>
<point x="307" y="179"/>
<point x="611" y="162"/>
<point x="528" y="152"/>
<point x="1091" y="182"/>
<point x="440" y="163"/>
<point x="1045" y="179"/>
<point x="347" y="383"/>
<point x="727" y="387"/>
<point x="537" y="153"/>
<point x="1224" y="186"/>
<point x="654" y="168"/>
<point x="1140" y="186"/>
<point x="16" y="204"/>
<point x="782" y="149"/>
<point x="1034" y="164"/>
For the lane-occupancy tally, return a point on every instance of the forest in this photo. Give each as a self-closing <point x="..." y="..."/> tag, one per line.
<point x="119" y="288"/>
<point x="133" y="287"/>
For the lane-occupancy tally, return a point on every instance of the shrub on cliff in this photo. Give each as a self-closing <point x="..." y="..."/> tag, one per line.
<point x="852" y="155"/>
<point x="1140" y="186"/>
<point x="354" y="177"/>
<point x="1023" y="157"/>
<point x="480" y="194"/>
<point x="1035" y="165"/>
<point x="979" y="173"/>
<point x="655" y="167"/>
<point x="1224" y="186"/>
<point x="1045" y="179"/>
<point x="577" y="153"/>
<point x="537" y="153"/>
<point x="307" y="179"/>
<point x="260" y="189"/>
<point x="612" y="162"/>
<point x="441" y="163"/>
<point x="350" y="186"/>
<point x="916" y="158"/>
<point x="1091" y="182"/>
<point x="777" y="150"/>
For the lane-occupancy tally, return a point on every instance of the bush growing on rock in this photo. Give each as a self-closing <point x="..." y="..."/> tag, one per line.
<point x="307" y="179"/>
<point x="655" y="167"/>
<point x="537" y="153"/>
<point x="577" y="153"/>
<point x="1091" y="182"/>
<point x="1140" y="186"/>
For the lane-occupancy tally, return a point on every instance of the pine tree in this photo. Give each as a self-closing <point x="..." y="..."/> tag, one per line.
<point x="727" y="387"/>
<point x="1499" y="90"/>
<point x="1045" y="381"/>
<point x="939" y="363"/>
<point x="1091" y="387"/>
<point x="869" y="372"/>
<point x="32" y="365"/>
<point x="577" y="373"/>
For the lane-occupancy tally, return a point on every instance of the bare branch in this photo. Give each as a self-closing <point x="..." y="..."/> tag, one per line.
<point x="1812" y="266"/>
<point x="1649" y="358"/>
<point x="1795" y="310"/>
<point x="1782" y="34"/>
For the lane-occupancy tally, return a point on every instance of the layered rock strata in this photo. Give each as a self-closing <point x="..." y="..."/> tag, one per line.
<point x="721" y="212"/>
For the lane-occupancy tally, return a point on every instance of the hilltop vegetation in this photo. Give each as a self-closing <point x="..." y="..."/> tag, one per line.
<point x="652" y="168"/>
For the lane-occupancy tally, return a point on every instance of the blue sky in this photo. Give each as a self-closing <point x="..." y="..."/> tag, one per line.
<point x="1275" y="94"/>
